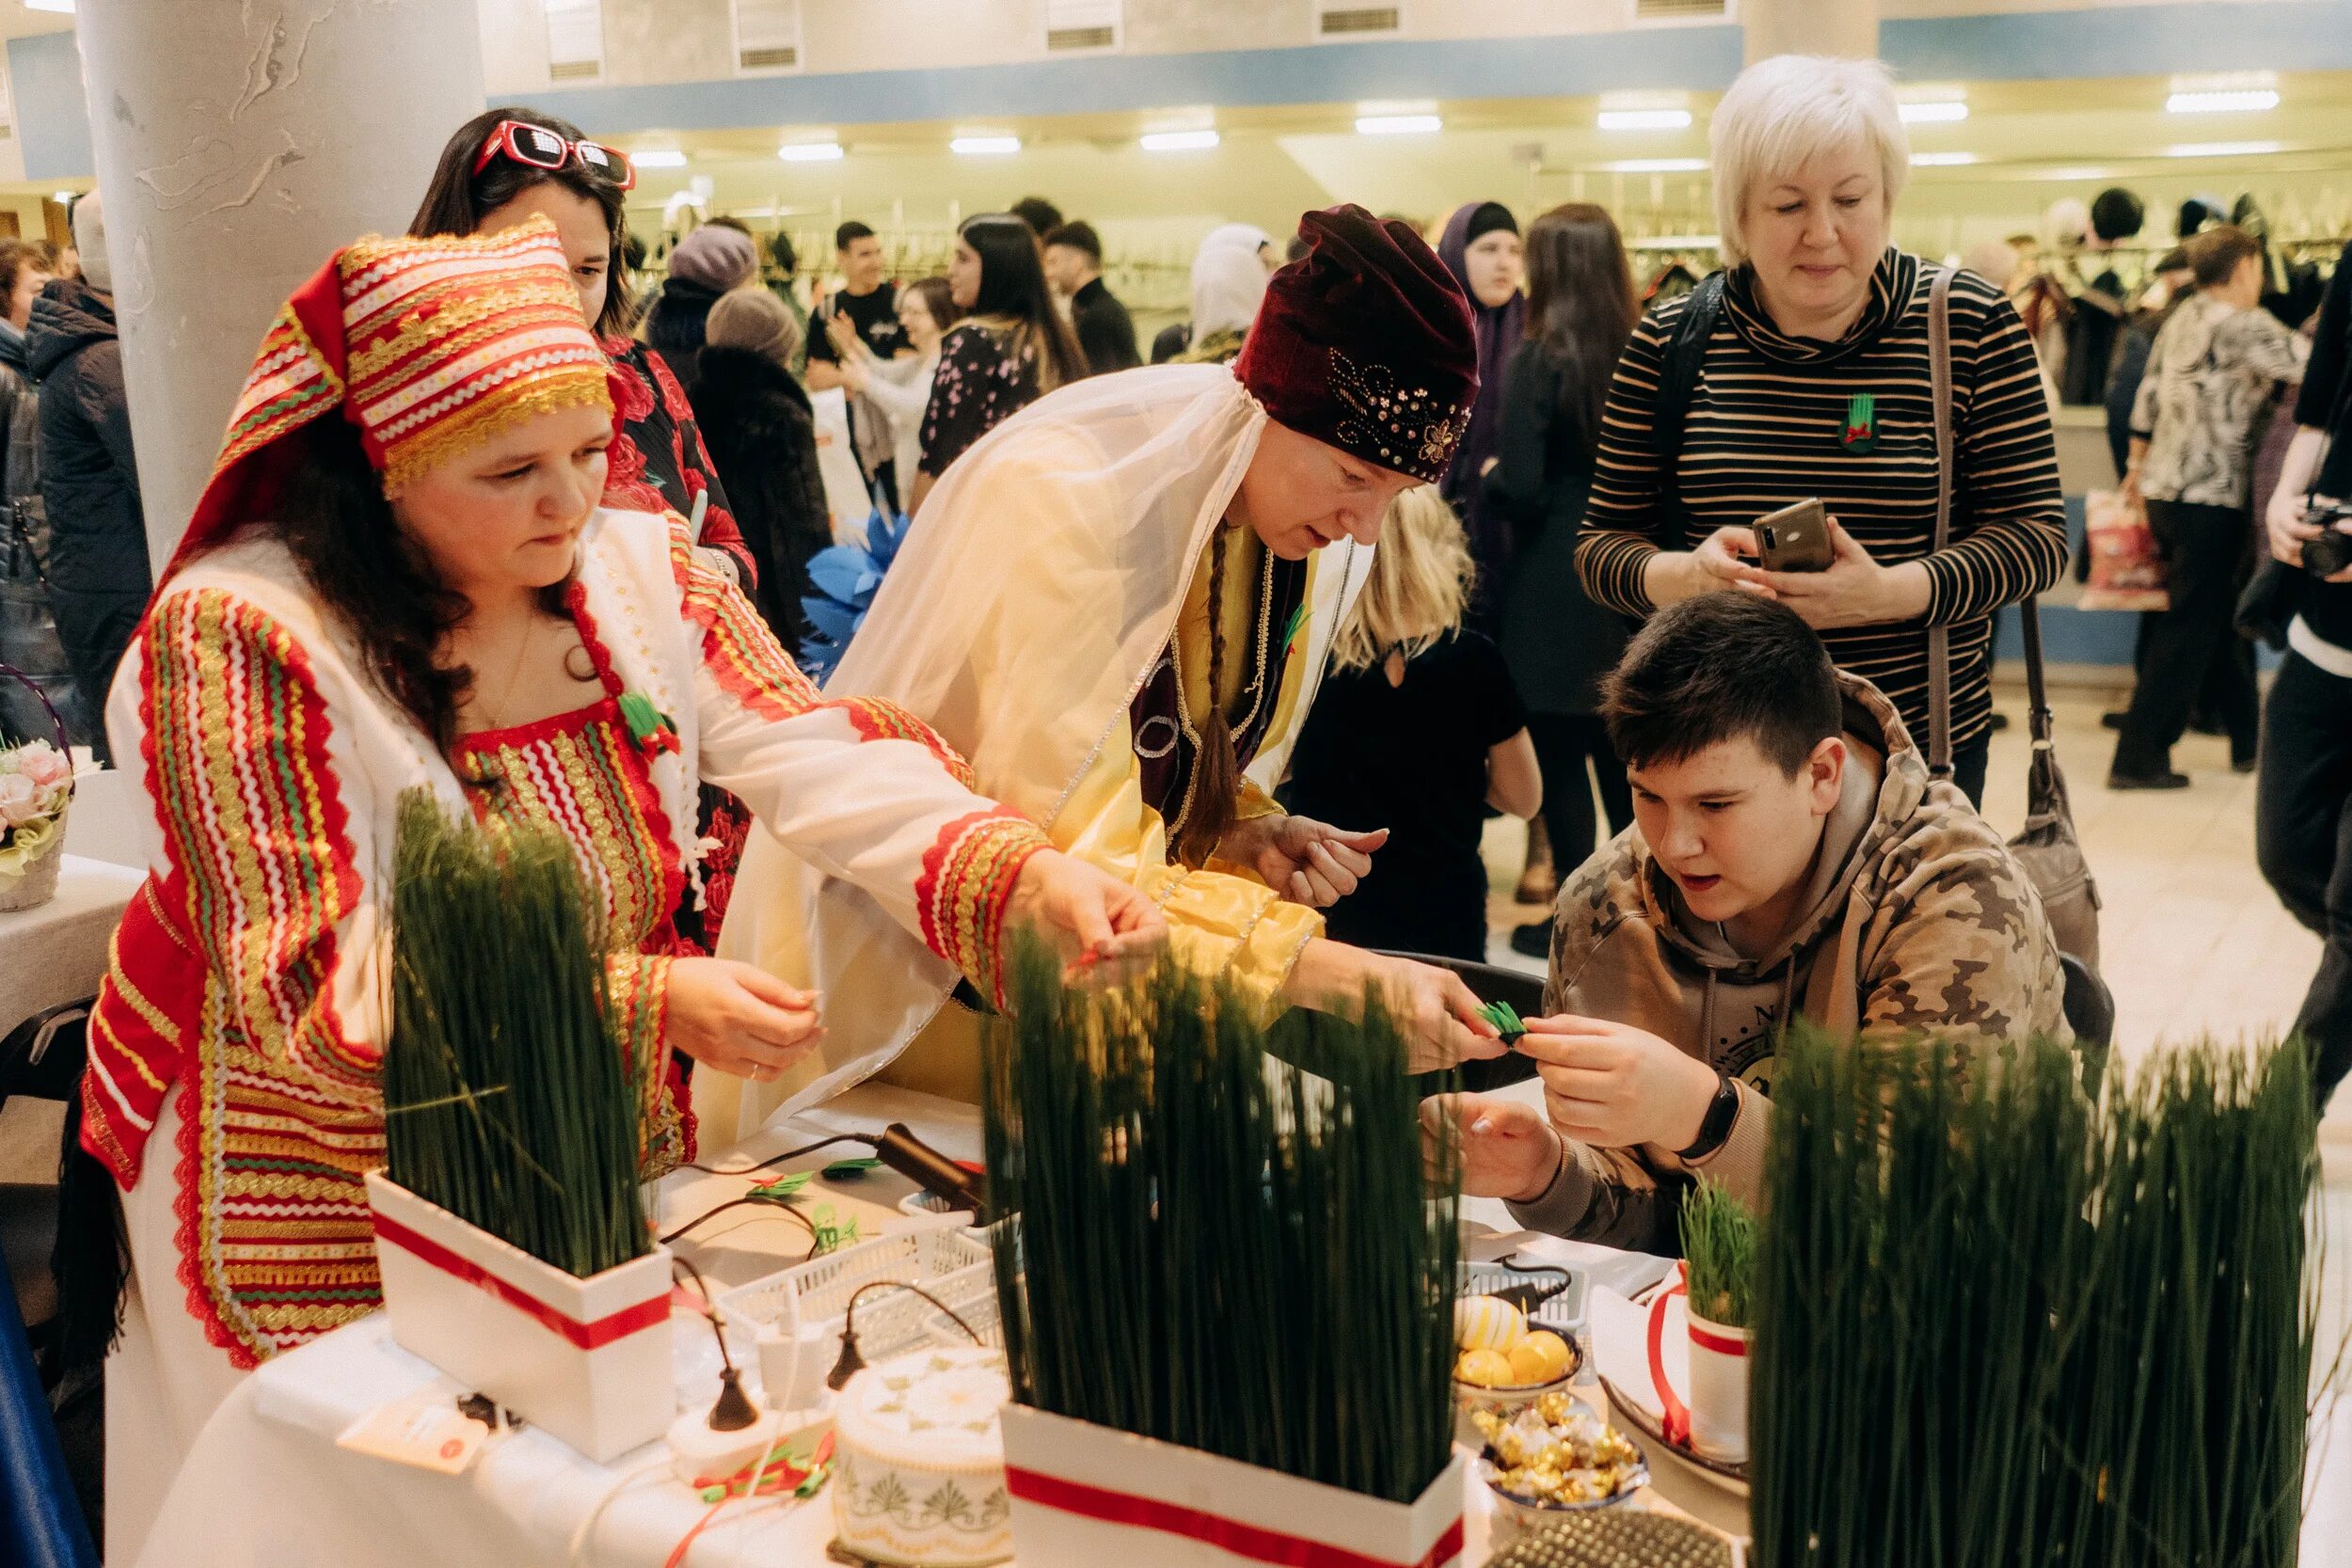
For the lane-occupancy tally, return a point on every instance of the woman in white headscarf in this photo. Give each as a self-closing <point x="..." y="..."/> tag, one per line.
<point x="1229" y="278"/>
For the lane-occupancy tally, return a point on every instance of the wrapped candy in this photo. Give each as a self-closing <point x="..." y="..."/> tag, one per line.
<point x="1555" y="1453"/>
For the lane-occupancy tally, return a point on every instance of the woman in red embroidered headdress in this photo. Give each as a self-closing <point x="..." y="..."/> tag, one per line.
<point x="400" y="577"/>
<point x="1116" y="603"/>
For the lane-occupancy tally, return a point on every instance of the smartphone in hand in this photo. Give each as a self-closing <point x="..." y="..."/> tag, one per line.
<point x="1795" y="538"/>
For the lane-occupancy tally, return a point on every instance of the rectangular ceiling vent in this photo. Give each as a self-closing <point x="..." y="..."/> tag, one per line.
<point x="767" y="36"/>
<point x="1682" y="10"/>
<point x="575" y="40"/>
<point x="1082" y="27"/>
<point x="1355" y="21"/>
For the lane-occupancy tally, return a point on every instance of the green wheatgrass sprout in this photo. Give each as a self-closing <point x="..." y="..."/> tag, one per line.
<point x="1719" y="1254"/>
<point x="1215" y="1248"/>
<point x="507" y="1098"/>
<point x="1999" y="1323"/>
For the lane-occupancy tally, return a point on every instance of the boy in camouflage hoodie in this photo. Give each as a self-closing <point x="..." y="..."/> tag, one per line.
<point x="1789" y="859"/>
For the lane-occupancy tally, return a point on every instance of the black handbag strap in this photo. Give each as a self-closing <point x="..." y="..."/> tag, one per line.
<point x="21" y="552"/>
<point x="2336" y="418"/>
<point x="2039" y="720"/>
<point x="1678" y="383"/>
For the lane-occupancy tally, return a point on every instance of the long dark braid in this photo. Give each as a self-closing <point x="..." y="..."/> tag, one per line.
<point x="1217" y="771"/>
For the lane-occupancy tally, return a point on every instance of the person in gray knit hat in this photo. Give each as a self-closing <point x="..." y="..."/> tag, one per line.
<point x="712" y="261"/>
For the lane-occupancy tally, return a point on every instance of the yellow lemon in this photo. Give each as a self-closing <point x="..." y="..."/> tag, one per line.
<point x="1483" y="1368"/>
<point x="1543" y="1356"/>
<point x="1487" y="1323"/>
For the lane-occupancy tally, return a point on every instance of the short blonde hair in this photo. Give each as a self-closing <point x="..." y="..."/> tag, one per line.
<point x="1783" y="113"/>
<point x="1419" y="586"/>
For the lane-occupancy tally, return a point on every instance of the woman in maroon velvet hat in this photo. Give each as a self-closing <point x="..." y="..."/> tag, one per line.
<point x="1116" y="605"/>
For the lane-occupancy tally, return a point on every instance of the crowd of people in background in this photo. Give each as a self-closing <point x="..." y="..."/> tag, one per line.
<point x="1615" y="465"/>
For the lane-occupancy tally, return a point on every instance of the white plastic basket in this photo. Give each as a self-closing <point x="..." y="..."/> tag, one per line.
<point x="794" y="1317"/>
<point x="1563" y="1313"/>
<point x="983" y="1316"/>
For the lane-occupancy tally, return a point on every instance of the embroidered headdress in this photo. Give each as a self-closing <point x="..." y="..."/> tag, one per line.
<point x="1365" y="343"/>
<point x="429" y="347"/>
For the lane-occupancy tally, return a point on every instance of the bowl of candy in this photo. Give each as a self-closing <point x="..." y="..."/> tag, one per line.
<point x="1553" y="1457"/>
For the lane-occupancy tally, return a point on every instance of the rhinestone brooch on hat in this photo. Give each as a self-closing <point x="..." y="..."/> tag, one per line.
<point x="1408" y="427"/>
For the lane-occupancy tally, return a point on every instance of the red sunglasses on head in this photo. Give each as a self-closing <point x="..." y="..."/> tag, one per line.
<point x="537" y="146"/>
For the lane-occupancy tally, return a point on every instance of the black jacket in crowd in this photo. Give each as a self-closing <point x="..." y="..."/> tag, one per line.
<point x="679" y="325"/>
<point x="99" y="575"/>
<point x="762" y="438"/>
<point x="1556" y="640"/>
<point x="1107" y="334"/>
<point x="28" y="626"/>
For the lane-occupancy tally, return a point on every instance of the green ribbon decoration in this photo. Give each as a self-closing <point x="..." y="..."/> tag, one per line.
<point x="644" y="720"/>
<point x="1861" y="429"/>
<point x="1507" y="1021"/>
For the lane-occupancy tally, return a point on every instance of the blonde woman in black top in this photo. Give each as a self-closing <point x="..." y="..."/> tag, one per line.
<point x="1815" y="382"/>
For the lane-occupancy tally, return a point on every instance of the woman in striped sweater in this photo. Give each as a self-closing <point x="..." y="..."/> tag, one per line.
<point x="1815" y="382"/>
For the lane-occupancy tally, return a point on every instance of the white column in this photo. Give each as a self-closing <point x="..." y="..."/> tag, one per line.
<point x="238" y="143"/>
<point x="1845" y="28"/>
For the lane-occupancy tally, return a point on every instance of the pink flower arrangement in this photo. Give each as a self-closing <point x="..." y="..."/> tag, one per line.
<point x="36" y="784"/>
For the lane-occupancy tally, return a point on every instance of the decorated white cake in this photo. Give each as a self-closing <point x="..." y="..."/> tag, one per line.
<point x="920" y="1467"/>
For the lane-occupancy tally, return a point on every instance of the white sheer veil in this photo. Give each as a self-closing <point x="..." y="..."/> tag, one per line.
<point x="1040" y="582"/>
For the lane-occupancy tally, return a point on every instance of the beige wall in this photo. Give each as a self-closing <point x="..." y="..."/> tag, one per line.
<point x="660" y="41"/>
<point x="651" y="42"/>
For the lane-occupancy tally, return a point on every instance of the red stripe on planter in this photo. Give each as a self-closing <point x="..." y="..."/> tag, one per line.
<point x="1720" y="1344"/>
<point x="1259" y="1546"/>
<point x="587" y="1336"/>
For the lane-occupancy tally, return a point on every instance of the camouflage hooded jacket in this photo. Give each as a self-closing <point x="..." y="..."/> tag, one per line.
<point x="1915" y="919"/>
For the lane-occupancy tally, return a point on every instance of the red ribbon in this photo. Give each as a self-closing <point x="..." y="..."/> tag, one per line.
<point x="587" y="1336"/>
<point x="1676" y="1414"/>
<point x="1722" y="1344"/>
<point x="1230" y="1535"/>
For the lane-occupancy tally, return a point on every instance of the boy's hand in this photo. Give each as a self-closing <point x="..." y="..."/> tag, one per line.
<point x="1507" y="1151"/>
<point x="1613" y="1085"/>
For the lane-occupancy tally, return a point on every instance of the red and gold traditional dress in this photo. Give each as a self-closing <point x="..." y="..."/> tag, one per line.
<point x="235" y="1047"/>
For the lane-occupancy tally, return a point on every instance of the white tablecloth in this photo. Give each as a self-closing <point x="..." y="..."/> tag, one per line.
<point x="267" y="1488"/>
<point x="57" y="952"/>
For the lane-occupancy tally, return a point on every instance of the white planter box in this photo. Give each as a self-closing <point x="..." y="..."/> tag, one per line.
<point x="585" y="1360"/>
<point x="1084" y="1495"/>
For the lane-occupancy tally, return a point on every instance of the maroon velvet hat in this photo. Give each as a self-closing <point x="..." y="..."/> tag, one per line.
<point x="1366" y="342"/>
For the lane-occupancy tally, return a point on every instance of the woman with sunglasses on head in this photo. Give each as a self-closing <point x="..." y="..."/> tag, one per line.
<point x="505" y="168"/>
<point x="1011" y="348"/>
